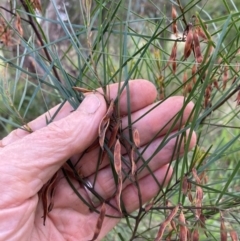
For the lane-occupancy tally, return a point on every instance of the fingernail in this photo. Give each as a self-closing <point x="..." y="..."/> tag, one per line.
<point x="90" y="104"/>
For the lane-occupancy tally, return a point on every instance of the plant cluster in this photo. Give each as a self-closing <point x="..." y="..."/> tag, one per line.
<point x="196" y="56"/>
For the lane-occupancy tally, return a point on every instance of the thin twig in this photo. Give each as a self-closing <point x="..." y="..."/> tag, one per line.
<point x="182" y="10"/>
<point x="31" y="22"/>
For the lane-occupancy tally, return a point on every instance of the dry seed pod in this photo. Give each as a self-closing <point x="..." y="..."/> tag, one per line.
<point x="207" y="103"/>
<point x="99" y="222"/>
<point x="188" y="43"/>
<point x="19" y="25"/>
<point x="117" y="159"/>
<point x="190" y="198"/>
<point x="136" y="138"/>
<point x="238" y="98"/>
<point x="237" y="67"/>
<point x="195" y="234"/>
<point x="215" y="84"/>
<point x="223" y="231"/>
<point x="194" y="172"/>
<point x="133" y="164"/>
<point x="202" y="220"/>
<point x="225" y="77"/>
<point x="198" y="205"/>
<point x="47" y="191"/>
<point x="5" y="33"/>
<point x="119" y="193"/>
<point x="208" y="92"/>
<point x="183" y="231"/>
<point x="172" y="58"/>
<point x="185" y="185"/>
<point x="164" y="224"/>
<point x="173" y="52"/>
<point x="234" y="235"/>
<point x="199" y="193"/>
<point x="102" y="130"/>
<point x="201" y="33"/>
<point x="173" y="225"/>
<point x="174" y="23"/>
<point x="113" y="135"/>
<point x="103" y="126"/>
<point x="189" y="87"/>
<point x="36" y="4"/>
<point x="198" y="54"/>
<point x="174" y="67"/>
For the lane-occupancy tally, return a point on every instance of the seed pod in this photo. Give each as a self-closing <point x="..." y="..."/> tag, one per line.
<point x="174" y="67"/>
<point x="198" y="205"/>
<point x="185" y="185"/>
<point x="190" y="198"/>
<point x="136" y="138"/>
<point x="173" y="54"/>
<point x="183" y="231"/>
<point x="188" y="43"/>
<point x="19" y="25"/>
<point x="199" y="193"/>
<point x="36" y="4"/>
<point x="173" y="225"/>
<point x="225" y="77"/>
<point x="201" y="33"/>
<point x="133" y="164"/>
<point x="194" y="172"/>
<point x="99" y="222"/>
<point x="195" y="234"/>
<point x="202" y="220"/>
<point x="119" y="193"/>
<point x="223" y="231"/>
<point x="198" y="54"/>
<point x="174" y="23"/>
<point x="103" y="126"/>
<point x="117" y="159"/>
<point x="238" y="98"/>
<point x="234" y="235"/>
<point x="215" y="83"/>
<point x="189" y="87"/>
<point x="164" y="224"/>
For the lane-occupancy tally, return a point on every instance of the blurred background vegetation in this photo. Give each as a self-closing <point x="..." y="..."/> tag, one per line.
<point x="92" y="45"/>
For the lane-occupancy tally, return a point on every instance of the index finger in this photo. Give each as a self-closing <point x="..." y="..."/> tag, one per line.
<point x="142" y="93"/>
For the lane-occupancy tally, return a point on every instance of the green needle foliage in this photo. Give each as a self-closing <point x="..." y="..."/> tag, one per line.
<point x="184" y="48"/>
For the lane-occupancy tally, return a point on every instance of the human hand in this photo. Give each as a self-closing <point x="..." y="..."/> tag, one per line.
<point x="28" y="161"/>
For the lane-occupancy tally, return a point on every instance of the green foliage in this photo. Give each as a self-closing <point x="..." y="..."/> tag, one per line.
<point x="114" y="42"/>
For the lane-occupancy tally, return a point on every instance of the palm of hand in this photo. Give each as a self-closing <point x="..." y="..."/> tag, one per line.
<point x="30" y="160"/>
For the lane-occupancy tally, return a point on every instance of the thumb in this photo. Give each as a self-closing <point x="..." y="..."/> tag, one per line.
<point x="31" y="161"/>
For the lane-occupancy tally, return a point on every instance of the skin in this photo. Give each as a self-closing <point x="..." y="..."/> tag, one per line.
<point x="29" y="160"/>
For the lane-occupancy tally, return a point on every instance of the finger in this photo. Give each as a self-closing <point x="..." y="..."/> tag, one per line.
<point x="168" y="115"/>
<point x="148" y="186"/>
<point x="130" y="196"/>
<point x="141" y="93"/>
<point x="136" y="87"/>
<point x="36" y="157"/>
<point x="104" y="179"/>
<point x="157" y="121"/>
